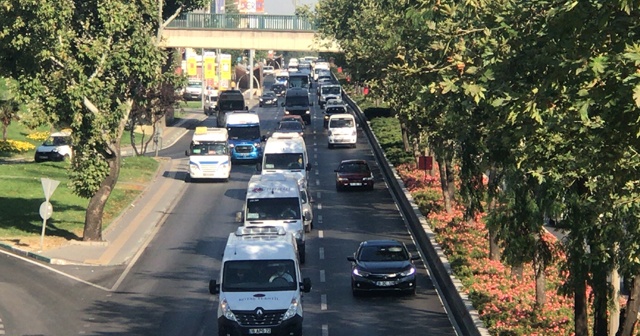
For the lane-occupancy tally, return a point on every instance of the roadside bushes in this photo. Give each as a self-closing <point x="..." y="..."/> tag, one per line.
<point x="13" y="146"/>
<point x="377" y="112"/>
<point x="389" y="135"/>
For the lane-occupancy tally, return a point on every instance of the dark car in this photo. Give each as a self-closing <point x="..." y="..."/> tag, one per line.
<point x="354" y="174"/>
<point x="383" y="265"/>
<point x="268" y="98"/>
<point x="293" y="117"/>
<point x="290" y="126"/>
<point x="279" y="89"/>
<point x="334" y="108"/>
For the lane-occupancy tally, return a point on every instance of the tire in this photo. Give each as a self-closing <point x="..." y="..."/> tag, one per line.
<point x="355" y="293"/>
<point x="338" y="188"/>
<point x="37" y="160"/>
<point x="370" y="187"/>
<point x="330" y="146"/>
<point x="353" y="146"/>
<point x="260" y="105"/>
<point x="187" y="179"/>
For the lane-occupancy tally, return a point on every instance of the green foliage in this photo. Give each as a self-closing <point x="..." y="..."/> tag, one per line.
<point x="387" y="131"/>
<point x="428" y="201"/>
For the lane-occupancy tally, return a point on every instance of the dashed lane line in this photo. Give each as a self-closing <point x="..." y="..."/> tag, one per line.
<point x="323" y="302"/>
<point x="322" y="276"/>
<point x="322" y="253"/>
<point x="325" y="330"/>
<point x="320" y="233"/>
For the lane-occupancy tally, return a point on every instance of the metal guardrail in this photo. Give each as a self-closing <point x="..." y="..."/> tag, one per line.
<point x="457" y="305"/>
<point x="242" y="21"/>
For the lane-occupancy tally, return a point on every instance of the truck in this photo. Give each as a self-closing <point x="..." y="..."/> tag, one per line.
<point x="260" y="284"/>
<point x="275" y="200"/>
<point x="297" y="102"/>
<point x="208" y="154"/>
<point x="245" y="140"/>
<point x="228" y="101"/>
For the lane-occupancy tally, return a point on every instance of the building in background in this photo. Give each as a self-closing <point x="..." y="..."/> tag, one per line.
<point x="251" y="6"/>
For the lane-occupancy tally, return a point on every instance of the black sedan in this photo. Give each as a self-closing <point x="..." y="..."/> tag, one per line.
<point x="383" y="265"/>
<point x="268" y="98"/>
<point x="279" y="89"/>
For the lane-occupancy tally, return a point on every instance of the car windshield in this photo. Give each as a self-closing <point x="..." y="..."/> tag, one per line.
<point x="334" y="110"/>
<point x="244" y="132"/>
<point x="209" y="148"/>
<point x="299" y="82"/>
<point x="291" y="101"/>
<point x="273" y="208"/>
<point x="229" y="105"/>
<point x="383" y="253"/>
<point x="354" y="167"/>
<point x="259" y="276"/>
<point x="290" y="126"/>
<point x="292" y="161"/>
<point x="268" y="95"/>
<point x="331" y="90"/>
<point x="195" y="85"/>
<point x="57" y="141"/>
<point x="340" y="123"/>
<point x="282" y="78"/>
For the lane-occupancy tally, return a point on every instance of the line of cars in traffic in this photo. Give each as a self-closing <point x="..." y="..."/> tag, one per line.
<point x="260" y="284"/>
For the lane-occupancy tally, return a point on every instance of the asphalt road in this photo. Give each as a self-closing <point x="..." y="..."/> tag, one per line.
<point x="165" y="291"/>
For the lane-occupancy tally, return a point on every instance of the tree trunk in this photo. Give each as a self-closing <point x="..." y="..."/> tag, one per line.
<point x="614" y="320"/>
<point x="494" y="248"/>
<point x="600" y="301"/>
<point x="451" y="186"/>
<point x="97" y="203"/>
<point x="581" y="322"/>
<point x="631" y="312"/>
<point x="443" y="184"/>
<point x="539" y="268"/>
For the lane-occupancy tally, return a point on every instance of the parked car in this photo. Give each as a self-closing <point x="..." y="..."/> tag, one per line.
<point x="290" y="127"/>
<point x="354" y="174"/>
<point x="383" y="265"/>
<point x="268" y="98"/>
<point x="57" y="147"/>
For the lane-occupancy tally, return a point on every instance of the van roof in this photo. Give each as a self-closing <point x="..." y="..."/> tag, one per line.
<point x="251" y="241"/>
<point x="286" y="145"/>
<point x="203" y="133"/>
<point x="272" y="186"/>
<point x="296" y="92"/>
<point x="242" y="118"/>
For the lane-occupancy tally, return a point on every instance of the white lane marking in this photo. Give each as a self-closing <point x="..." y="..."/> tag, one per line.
<point x="319" y="206"/>
<point x="323" y="302"/>
<point x="322" y="253"/>
<point x="322" y="276"/>
<point x="315" y="149"/>
<point x="54" y="270"/>
<point x="315" y="156"/>
<point x="315" y="144"/>
<point x="318" y="195"/>
<point x="317" y="182"/>
<point x="325" y="330"/>
<point x="320" y="233"/>
<point x="317" y="172"/>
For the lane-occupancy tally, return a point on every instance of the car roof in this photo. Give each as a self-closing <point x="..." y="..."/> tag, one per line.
<point x="381" y="242"/>
<point x="268" y="92"/>
<point x="292" y="122"/>
<point x="354" y="161"/>
<point x="291" y="116"/>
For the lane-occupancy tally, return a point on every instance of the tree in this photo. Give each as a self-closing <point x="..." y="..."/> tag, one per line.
<point x="9" y="106"/>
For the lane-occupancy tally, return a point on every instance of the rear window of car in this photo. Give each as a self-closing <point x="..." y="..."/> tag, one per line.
<point x="337" y="109"/>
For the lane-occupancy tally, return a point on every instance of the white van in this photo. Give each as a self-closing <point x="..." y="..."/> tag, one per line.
<point x="208" y="154"/>
<point x="57" y="147"/>
<point x="275" y="200"/>
<point x="286" y="153"/>
<point x="342" y="130"/>
<point x="260" y="284"/>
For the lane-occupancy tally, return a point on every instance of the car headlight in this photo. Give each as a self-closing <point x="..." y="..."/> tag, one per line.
<point x="408" y="272"/>
<point x="343" y="179"/>
<point x="231" y="145"/>
<point x="257" y="145"/>
<point x="298" y="234"/>
<point x="55" y="150"/>
<point x="293" y="309"/>
<point x="353" y="133"/>
<point x="226" y="310"/>
<point x="360" y="272"/>
<point x="307" y="112"/>
<point x="286" y="112"/>
<point x="330" y="133"/>
<point x="261" y="99"/>
<point x="194" y="167"/>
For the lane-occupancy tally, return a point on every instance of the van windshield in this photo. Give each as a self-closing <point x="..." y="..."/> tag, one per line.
<point x="302" y="101"/>
<point x="209" y="148"/>
<point x="291" y="161"/>
<point x="331" y="90"/>
<point x="339" y="123"/>
<point x="273" y="208"/>
<point x="230" y="105"/>
<point x="259" y="276"/>
<point x="244" y="132"/>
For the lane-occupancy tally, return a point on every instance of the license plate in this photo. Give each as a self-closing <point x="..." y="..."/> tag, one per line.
<point x="259" y="331"/>
<point x="385" y="283"/>
<point x="43" y="156"/>
<point x="355" y="184"/>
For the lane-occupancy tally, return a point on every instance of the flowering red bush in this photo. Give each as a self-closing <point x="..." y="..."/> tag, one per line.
<point x="506" y="304"/>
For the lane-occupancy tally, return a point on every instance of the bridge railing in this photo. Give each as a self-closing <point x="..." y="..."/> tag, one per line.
<point x="242" y="21"/>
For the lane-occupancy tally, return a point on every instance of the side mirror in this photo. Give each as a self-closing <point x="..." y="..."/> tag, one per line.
<point x="263" y="138"/>
<point x="305" y="286"/>
<point x="246" y="107"/>
<point x="282" y="104"/>
<point x="307" y="167"/>
<point x="186" y="153"/>
<point x="239" y="216"/>
<point x="336" y="170"/>
<point x="258" y="167"/>
<point x="214" y="288"/>
<point x="311" y="104"/>
<point x="351" y="258"/>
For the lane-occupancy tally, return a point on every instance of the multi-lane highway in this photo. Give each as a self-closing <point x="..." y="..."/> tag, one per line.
<point x="165" y="291"/>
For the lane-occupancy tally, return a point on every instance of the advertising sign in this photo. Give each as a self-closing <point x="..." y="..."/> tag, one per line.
<point x="225" y="71"/>
<point x="210" y="65"/>
<point x="251" y="6"/>
<point x="192" y="67"/>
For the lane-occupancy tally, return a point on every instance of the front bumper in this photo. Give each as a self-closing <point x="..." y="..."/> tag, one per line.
<point x="292" y="326"/>
<point x="342" y="139"/>
<point x="379" y="284"/>
<point x="355" y="184"/>
<point x="210" y="172"/>
<point x="48" y="156"/>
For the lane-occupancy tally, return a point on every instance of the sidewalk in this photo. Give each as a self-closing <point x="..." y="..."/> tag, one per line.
<point x="135" y="227"/>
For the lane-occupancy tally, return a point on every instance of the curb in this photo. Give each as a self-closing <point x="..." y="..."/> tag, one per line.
<point x="27" y="254"/>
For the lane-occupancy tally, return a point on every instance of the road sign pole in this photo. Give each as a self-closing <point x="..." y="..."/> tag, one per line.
<point x="44" y="226"/>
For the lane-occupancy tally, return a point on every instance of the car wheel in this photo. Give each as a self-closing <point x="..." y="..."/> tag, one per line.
<point x="307" y="228"/>
<point x="187" y="178"/>
<point x="330" y="146"/>
<point x="338" y="188"/>
<point x="355" y="292"/>
<point x="260" y="105"/>
<point x="37" y="160"/>
<point x="353" y="146"/>
<point x="370" y="187"/>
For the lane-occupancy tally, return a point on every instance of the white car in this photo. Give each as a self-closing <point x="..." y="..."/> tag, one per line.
<point x="268" y="70"/>
<point x="56" y="148"/>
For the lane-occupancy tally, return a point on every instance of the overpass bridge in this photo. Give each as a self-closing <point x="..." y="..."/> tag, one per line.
<point x="245" y="31"/>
